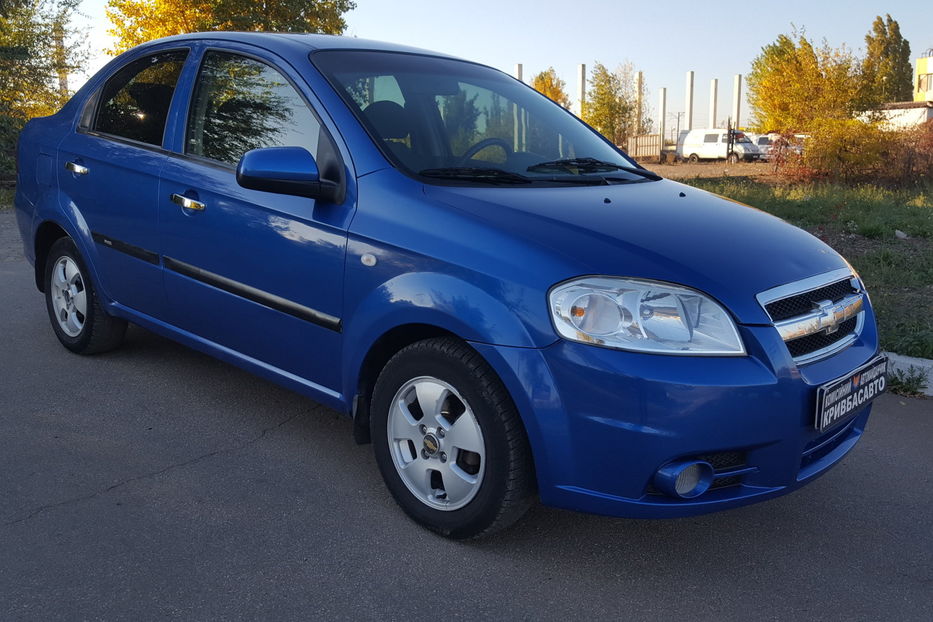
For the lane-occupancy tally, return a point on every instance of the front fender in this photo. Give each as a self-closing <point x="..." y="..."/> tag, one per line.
<point x="434" y="299"/>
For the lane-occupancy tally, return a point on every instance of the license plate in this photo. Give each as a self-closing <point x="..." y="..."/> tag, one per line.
<point x="837" y="400"/>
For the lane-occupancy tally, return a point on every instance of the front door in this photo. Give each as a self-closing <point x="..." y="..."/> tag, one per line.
<point x="257" y="272"/>
<point x="109" y="169"/>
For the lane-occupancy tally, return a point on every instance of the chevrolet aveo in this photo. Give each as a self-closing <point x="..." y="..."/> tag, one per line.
<point x="506" y="304"/>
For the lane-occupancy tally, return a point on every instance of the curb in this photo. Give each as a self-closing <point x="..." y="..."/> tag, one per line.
<point x="903" y="363"/>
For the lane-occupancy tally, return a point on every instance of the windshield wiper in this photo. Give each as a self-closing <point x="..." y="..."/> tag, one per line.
<point x="589" y="165"/>
<point x="485" y="175"/>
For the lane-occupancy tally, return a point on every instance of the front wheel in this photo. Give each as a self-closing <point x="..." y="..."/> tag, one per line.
<point x="449" y="442"/>
<point x="77" y="315"/>
<point x="733" y="158"/>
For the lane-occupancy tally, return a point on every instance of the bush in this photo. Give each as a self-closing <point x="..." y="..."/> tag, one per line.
<point x="10" y="127"/>
<point x="855" y="151"/>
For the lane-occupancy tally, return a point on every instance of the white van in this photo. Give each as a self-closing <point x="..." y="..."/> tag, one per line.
<point x="713" y="144"/>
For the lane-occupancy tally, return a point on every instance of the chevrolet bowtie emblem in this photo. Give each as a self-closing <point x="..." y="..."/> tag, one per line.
<point x="825" y="317"/>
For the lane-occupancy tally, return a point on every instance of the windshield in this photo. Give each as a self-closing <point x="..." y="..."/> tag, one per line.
<point x="444" y="119"/>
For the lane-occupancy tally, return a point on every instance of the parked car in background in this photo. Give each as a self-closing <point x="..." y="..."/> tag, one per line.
<point x="763" y="142"/>
<point x="506" y="314"/>
<point x="713" y="144"/>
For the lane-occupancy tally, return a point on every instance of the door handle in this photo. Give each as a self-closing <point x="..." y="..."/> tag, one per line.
<point x="76" y="168"/>
<point x="185" y="202"/>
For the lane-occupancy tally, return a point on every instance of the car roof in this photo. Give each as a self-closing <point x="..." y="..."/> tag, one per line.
<point x="295" y="42"/>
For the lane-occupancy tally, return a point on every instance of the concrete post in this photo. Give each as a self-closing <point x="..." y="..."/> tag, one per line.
<point x="688" y="103"/>
<point x="662" y="114"/>
<point x="639" y="85"/>
<point x="516" y="116"/>
<point x="582" y="93"/>
<point x="713" y="100"/>
<point x="736" y="99"/>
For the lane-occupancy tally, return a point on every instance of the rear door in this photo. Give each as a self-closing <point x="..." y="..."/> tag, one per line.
<point x="109" y="170"/>
<point x="258" y="272"/>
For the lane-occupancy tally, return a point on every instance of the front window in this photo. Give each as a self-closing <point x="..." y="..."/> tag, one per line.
<point x="241" y="104"/>
<point x="449" y="120"/>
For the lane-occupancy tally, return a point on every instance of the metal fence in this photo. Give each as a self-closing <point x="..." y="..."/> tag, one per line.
<point x="644" y="146"/>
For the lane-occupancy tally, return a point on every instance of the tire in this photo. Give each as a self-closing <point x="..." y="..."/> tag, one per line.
<point x="733" y="158"/>
<point x="444" y="485"/>
<point x="75" y="311"/>
<point x="693" y="159"/>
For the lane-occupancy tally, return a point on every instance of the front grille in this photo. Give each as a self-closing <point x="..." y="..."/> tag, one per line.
<point x="724" y="460"/>
<point x="817" y="341"/>
<point x="801" y="304"/>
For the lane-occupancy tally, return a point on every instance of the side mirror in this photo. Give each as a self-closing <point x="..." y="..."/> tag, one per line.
<point x="285" y="170"/>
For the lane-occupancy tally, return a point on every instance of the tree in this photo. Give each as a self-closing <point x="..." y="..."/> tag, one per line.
<point x="550" y="85"/>
<point x="887" y="75"/>
<point x="792" y="83"/>
<point x="137" y="21"/>
<point x="39" y="47"/>
<point x="612" y="103"/>
<point x="460" y="116"/>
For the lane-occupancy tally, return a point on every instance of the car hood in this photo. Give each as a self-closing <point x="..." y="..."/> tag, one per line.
<point x="659" y="230"/>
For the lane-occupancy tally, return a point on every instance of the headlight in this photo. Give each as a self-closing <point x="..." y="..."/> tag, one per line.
<point x="645" y="316"/>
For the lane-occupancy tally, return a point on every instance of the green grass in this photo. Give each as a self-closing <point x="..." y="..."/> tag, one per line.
<point x="911" y="383"/>
<point x="870" y="211"/>
<point x="860" y="222"/>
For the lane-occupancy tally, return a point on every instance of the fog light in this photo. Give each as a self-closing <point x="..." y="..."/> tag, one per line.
<point x="684" y="479"/>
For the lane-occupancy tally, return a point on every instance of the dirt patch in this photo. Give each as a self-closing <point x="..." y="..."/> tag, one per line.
<point x="760" y="171"/>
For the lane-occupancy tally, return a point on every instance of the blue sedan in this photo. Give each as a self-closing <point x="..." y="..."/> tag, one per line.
<point x="506" y="305"/>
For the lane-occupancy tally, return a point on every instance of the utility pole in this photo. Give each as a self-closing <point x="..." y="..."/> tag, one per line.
<point x="713" y="101"/>
<point x="662" y="113"/>
<point x="736" y="99"/>
<point x="58" y="45"/>
<point x="516" y="114"/>
<point x="639" y="85"/>
<point x="581" y="76"/>
<point x="688" y="102"/>
<point x="677" y="116"/>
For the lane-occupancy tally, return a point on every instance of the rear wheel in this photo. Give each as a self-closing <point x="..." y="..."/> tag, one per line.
<point x="694" y="158"/>
<point x="449" y="442"/>
<point x="77" y="316"/>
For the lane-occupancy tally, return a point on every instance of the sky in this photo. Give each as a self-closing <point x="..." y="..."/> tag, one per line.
<point x="664" y="38"/>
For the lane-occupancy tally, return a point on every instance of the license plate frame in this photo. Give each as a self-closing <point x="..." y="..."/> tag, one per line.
<point x="843" y="404"/>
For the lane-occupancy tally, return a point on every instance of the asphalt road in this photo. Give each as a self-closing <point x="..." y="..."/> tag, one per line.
<point x="156" y="482"/>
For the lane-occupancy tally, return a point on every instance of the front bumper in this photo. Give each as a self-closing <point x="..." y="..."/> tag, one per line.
<point x="601" y="421"/>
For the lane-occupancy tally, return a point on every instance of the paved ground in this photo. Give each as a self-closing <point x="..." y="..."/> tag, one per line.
<point x="155" y="482"/>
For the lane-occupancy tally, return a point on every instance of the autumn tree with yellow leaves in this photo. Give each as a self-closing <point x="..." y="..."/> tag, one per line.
<point x="39" y="48"/>
<point x="549" y="84"/>
<point x="794" y="83"/>
<point x="137" y="21"/>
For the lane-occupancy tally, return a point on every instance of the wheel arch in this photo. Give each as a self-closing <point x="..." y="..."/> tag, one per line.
<point x="376" y="357"/>
<point x="46" y="235"/>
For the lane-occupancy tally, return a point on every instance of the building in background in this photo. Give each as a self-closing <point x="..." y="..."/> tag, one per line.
<point x="923" y="81"/>
<point x="907" y="115"/>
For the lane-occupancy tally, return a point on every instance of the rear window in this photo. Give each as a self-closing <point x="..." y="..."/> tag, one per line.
<point x="134" y="102"/>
